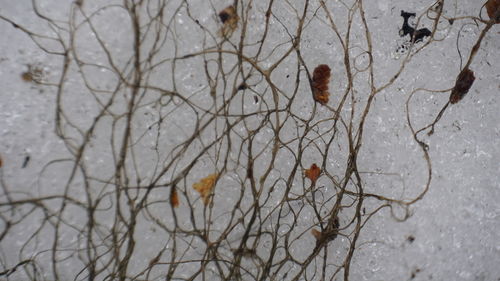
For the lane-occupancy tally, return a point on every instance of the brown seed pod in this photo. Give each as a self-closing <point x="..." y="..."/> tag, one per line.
<point x="320" y="80"/>
<point x="462" y="85"/>
<point x="493" y="10"/>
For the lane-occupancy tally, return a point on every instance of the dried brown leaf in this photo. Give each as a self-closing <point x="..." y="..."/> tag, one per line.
<point x="316" y="234"/>
<point x="174" y="198"/>
<point x="313" y="172"/>
<point x="205" y="187"/>
<point x="462" y="85"/>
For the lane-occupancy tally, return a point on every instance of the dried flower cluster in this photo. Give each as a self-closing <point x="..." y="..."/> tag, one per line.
<point x="321" y="77"/>
<point x="205" y="187"/>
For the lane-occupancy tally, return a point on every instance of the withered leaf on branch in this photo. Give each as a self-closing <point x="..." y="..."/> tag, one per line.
<point x="229" y="18"/>
<point x="320" y="80"/>
<point x="462" y="85"/>
<point x="316" y="234"/>
<point x="313" y="172"/>
<point x="174" y="198"/>
<point x="205" y="187"/>
<point x="328" y="234"/>
<point x="493" y="10"/>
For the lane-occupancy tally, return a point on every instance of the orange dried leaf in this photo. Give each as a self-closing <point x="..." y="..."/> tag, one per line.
<point x="313" y="172"/>
<point x="316" y="233"/>
<point x="174" y="198"/>
<point x="205" y="187"/>
<point x="493" y="10"/>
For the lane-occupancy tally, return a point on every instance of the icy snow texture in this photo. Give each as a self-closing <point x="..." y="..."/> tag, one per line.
<point x="453" y="233"/>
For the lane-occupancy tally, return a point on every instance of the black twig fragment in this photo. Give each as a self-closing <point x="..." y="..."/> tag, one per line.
<point x="421" y="33"/>
<point x="416" y="35"/>
<point x="26" y="161"/>
<point x="406" y="28"/>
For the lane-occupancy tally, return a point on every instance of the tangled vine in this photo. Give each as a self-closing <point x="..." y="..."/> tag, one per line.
<point x="216" y="140"/>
